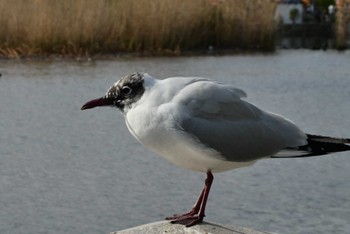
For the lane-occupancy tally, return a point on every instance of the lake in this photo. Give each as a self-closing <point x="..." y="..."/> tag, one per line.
<point x="63" y="170"/>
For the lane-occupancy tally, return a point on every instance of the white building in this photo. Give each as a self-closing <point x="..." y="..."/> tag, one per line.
<point x="283" y="13"/>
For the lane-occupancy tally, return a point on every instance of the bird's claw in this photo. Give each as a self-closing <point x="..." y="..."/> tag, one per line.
<point x="186" y="215"/>
<point x="188" y="221"/>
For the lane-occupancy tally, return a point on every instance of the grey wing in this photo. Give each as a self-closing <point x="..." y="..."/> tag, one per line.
<point x="238" y="130"/>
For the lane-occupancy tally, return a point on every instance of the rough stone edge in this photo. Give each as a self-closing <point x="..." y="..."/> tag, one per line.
<point x="204" y="228"/>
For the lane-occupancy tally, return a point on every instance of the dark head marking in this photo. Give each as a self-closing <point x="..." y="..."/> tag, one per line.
<point x="126" y="91"/>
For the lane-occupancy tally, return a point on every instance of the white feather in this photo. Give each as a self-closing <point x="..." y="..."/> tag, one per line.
<point x="203" y="125"/>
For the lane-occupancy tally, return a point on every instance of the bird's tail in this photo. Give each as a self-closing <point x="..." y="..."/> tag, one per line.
<point x="316" y="145"/>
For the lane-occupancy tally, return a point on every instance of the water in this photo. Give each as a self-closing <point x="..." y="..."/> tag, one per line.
<point x="63" y="170"/>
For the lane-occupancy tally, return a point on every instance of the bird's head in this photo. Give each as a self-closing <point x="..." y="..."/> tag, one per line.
<point x="122" y="94"/>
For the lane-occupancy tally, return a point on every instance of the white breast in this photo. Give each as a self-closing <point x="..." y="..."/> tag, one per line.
<point x="155" y="129"/>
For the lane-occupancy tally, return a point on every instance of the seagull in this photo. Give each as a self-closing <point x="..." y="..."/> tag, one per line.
<point x="206" y="126"/>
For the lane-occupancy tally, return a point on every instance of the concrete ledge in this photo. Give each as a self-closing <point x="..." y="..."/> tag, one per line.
<point x="204" y="228"/>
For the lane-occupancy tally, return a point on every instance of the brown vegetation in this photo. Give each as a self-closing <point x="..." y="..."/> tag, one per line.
<point x="343" y="19"/>
<point x="87" y="27"/>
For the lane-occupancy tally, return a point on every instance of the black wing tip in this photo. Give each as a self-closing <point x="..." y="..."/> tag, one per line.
<point x="318" y="146"/>
<point x="328" y="139"/>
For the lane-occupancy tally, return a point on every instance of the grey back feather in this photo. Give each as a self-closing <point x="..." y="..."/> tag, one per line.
<point x="238" y="130"/>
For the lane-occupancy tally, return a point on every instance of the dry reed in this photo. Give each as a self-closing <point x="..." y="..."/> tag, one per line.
<point x="343" y="19"/>
<point x="87" y="27"/>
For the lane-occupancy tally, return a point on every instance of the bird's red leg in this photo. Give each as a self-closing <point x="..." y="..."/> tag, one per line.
<point x="192" y="218"/>
<point x="194" y="211"/>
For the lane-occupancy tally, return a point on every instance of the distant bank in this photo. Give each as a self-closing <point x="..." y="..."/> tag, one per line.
<point x="88" y="28"/>
<point x="310" y="36"/>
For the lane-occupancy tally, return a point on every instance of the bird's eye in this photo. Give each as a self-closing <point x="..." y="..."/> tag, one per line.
<point x="126" y="90"/>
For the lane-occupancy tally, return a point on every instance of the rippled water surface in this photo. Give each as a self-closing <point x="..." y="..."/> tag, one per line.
<point x="63" y="170"/>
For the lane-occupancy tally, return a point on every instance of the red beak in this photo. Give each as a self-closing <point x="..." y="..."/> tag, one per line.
<point x="103" y="101"/>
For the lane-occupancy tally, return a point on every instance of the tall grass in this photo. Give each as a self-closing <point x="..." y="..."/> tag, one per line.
<point x="87" y="27"/>
<point x="343" y="19"/>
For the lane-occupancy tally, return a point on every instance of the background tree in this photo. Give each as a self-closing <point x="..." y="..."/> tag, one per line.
<point x="294" y="15"/>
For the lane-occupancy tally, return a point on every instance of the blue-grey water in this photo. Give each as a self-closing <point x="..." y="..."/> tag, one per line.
<point x="63" y="170"/>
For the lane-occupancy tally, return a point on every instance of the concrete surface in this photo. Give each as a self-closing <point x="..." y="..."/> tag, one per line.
<point x="204" y="228"/>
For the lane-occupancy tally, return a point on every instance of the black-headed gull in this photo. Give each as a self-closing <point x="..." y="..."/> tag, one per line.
<point x="205" y="126"/>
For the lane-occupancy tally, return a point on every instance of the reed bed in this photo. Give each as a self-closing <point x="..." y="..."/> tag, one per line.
<point x="342" y="22"/>
<point x="90" y="27"/>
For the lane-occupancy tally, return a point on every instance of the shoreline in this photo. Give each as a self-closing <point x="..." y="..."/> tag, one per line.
<point x="190" y="53"/>
<point x="144" y="54"/>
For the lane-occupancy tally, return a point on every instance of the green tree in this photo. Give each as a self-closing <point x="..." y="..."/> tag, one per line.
<point x="294" y="14"/>
<point x="324" y="4"/>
